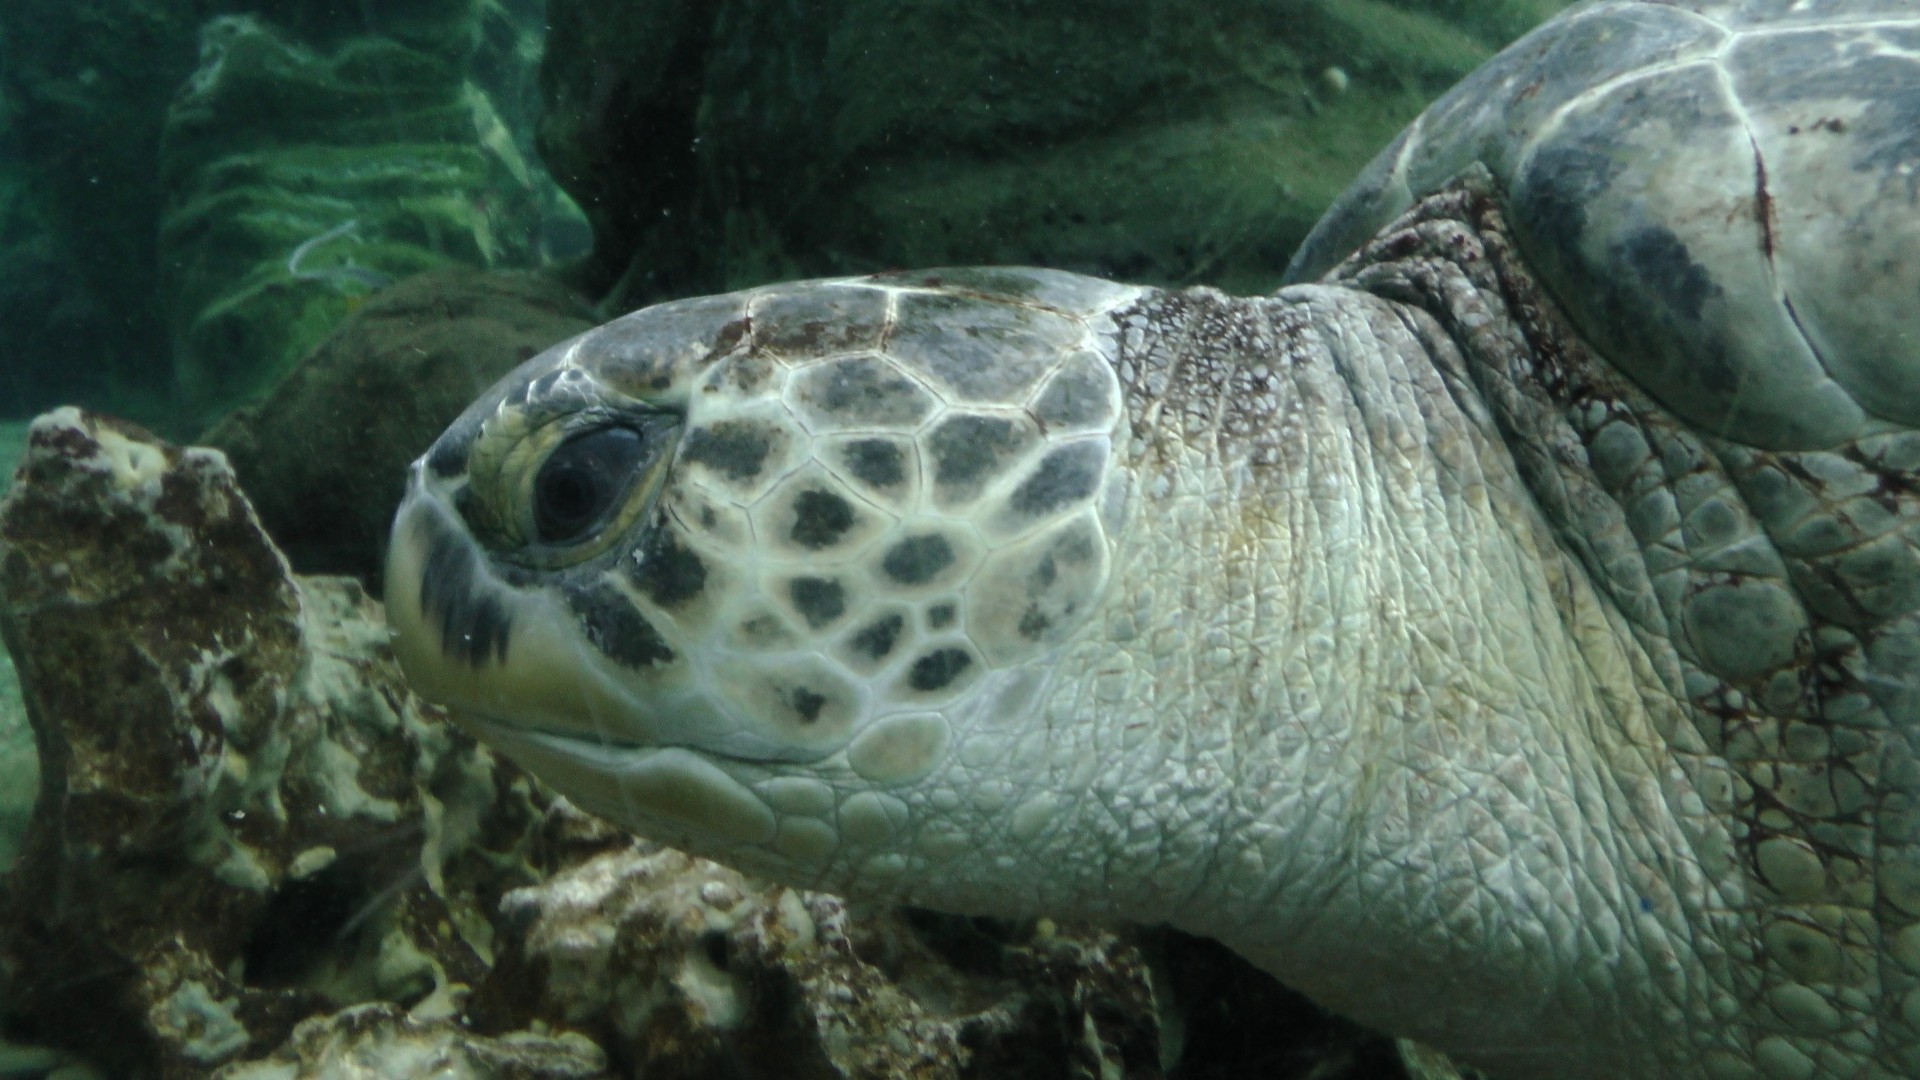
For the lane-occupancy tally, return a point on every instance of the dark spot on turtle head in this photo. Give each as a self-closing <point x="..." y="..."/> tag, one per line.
<point x="939" y="668"/>
<point x="731" y="335"/>
<point x="806" y="703"/>
<point x="474" y="625"/>
<point x="736" y="449"/>
<point x="749" y="373"/>
<point x="668" y="572"/>
<point x="1045" y="572"/>
<point x="1033" y="623"/>
<point x="876" y="462"/>
<point x="1076" y="546"/>
<point x="940" y="616"/>
<point x="818" y="600"/>
<point x="820" y="519"/>
<point x="967" y="450"/>
<point x="615" y="628"/>
<point x="448" y="458"/>
<point x="866" y="390"/>
<point x="917" y="559"/>
<point x="1078" y="395"/>
<point x="764" y="629"/>
<point x="543" y="385"/>
<point x="1066" y="475"/>
<point x="878" y="638"/>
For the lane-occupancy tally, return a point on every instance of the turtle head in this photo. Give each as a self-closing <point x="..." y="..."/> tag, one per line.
<point x="726" y="569"/>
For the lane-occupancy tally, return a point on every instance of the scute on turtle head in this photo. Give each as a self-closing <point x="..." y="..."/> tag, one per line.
<point x="1730" y="216"/>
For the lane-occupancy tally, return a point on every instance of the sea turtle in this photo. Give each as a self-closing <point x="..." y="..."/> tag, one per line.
<point x="1511" y="639"/>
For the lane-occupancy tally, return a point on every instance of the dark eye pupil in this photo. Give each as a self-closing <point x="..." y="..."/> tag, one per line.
<point x="582" y="480"/>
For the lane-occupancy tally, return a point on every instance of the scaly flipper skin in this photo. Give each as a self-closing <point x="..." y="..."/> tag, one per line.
<point x="1511" y="639"/>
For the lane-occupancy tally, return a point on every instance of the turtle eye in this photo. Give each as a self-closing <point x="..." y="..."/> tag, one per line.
<point x="582" y="480"/>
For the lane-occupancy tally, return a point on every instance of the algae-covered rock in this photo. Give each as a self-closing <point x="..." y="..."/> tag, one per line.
<point x="687" y="968"/>
<point x="377" y="1041"/>
<point x="299" y="180"/>
<point x="324" y="457"/>
<point x="720" y="146"/>
<point x="244" y="817"/>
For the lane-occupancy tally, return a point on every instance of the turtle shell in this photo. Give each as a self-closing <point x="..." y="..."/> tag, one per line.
<point x="1724" y="196"/>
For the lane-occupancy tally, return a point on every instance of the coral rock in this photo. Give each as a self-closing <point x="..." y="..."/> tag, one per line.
<point x="687" y="968"/>
<point x="244" y="818"/>
<point x="378" y="1042"/>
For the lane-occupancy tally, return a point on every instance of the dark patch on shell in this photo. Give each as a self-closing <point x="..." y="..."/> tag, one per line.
<point x="940" y="616"/>
<point x="918" y="559"/>
<point x="978" y="349"/>
<point x="1662" y="261"/>
<point x="1079" y="396"/>
<point x="818" y="319"/>
<point x="820" y="519"/>
<point x="1560" y="182"/>
<point x="818" y="600"/>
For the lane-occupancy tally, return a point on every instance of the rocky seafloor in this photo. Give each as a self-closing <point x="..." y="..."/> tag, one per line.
<point x="254" y="853"/>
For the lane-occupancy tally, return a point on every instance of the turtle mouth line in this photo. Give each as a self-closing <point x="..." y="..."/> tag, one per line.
<point x="672" y="792"/>
<point x="495" y="731"/>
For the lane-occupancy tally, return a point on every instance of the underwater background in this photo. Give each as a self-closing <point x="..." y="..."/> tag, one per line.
<point x="307" y="233"/>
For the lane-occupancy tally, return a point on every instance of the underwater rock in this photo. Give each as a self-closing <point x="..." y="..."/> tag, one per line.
<point x="323" y="458"/>
<point x="718" y="147"/>
<point x="244" y="817"/>
<point x="379" y="1040"/>
<point x="299" y="178"/>
<point x="687" y="968"/>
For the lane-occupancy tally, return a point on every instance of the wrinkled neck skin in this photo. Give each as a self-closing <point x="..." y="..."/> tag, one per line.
<point x="1347" y="706"/>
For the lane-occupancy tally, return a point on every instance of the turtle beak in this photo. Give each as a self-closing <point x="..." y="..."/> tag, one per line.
<point x="427" y="560"/>
<point x="464" y="637"/>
